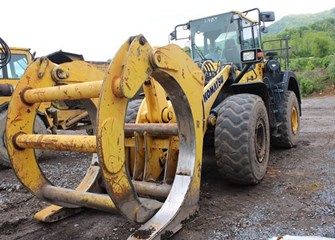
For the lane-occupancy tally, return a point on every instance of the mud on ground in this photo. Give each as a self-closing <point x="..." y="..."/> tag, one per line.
<point x="297" y="195"/>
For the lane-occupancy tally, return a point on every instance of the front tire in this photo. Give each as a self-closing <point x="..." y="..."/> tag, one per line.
<point x="289" y="129"/>
<point x="242" y="139"/>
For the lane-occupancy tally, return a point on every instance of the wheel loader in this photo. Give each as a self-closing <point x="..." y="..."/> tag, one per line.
<point x="226" y="90"/>
<point x="52" y="116"/>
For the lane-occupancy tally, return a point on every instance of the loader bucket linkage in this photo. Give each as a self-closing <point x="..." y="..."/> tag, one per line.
<point x="151" y="169"/>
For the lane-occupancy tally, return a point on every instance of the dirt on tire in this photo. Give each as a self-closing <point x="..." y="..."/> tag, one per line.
<point x="296" y="196"/>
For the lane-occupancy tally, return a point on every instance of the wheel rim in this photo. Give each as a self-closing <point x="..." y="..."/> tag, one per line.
<point x="294" y="120"/>
<point x="260" y="141"/>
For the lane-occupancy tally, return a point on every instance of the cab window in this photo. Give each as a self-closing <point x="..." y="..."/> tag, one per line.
<point x="15" y="68"/>
<point x="250" y="38"/>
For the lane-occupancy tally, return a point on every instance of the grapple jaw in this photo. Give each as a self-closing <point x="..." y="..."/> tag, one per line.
<point x="151" y="168"/>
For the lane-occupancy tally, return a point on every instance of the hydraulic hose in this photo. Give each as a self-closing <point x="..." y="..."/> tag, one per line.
<point x="5" y="53"/>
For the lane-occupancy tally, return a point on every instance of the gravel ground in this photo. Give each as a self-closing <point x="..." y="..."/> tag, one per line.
<point x="296" y="197"/>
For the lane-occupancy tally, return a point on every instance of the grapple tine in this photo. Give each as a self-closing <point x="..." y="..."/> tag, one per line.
<point x="138" y="163"/>
<point x="176" y="80"/>
<point x="146" y="155"/>
<point x="171" y="162"/>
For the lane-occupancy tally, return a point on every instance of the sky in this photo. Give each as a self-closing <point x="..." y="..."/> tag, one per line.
<point x="96" y="29"/>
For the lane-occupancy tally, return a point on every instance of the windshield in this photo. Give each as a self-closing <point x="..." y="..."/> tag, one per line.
<point x="15" y="68"/>
<point x="215" y="38"/>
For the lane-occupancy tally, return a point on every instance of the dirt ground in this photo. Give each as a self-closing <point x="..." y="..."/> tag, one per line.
<point x="296" y="197"/>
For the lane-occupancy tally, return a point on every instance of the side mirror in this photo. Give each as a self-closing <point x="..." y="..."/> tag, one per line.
<point x="267" y="16"/>
<point x="173" y="35"/>
<point x="251" y="55"/>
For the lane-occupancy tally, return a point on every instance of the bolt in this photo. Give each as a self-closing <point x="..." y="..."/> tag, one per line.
<point x="61" y="74"/>
<point x="142" y="40"/>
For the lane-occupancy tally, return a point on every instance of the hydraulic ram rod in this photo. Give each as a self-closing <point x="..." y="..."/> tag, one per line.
<point x="101" y="202"/>
<point x="64" y="92"/>
<point x="83" y="143"/>
<point x="153" y="129"/>
<point x="73" y="143"/>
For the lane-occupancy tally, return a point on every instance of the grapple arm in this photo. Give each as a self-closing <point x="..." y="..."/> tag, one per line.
<point x="151" y="169"/>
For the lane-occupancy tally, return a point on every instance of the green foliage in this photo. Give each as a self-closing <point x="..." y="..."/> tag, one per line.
<point x="315" y="74"/>
<point x="312" y="81"/>
<point x="310" y="63"/>
<point x="298" y="64"/>
<point x="331" y="71"/>
<point x="306" y="86"/>
<point x="322" y="46"/>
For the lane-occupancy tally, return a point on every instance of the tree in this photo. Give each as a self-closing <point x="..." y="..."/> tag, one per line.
<point x="321" y="46"/>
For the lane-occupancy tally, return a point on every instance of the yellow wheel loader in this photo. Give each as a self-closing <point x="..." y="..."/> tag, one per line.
<point x="225" y="90"/>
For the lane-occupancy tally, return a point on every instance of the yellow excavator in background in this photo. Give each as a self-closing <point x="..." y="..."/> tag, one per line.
<point x="228" y="91"/>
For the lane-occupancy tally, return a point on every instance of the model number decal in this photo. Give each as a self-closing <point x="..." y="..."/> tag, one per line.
<point x="212" y="89"/>
<point x="210" y="19"/>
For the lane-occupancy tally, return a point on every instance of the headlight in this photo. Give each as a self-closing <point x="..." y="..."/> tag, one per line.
<point x="249" y="56"/>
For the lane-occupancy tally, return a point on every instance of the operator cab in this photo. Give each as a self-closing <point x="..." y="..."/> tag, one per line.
<point x="224" y="38"/>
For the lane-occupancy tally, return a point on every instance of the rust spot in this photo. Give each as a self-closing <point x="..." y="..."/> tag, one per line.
<point x="144" y="234"/>
<point x="128" y="86"/>
<point x="138" y="53"/>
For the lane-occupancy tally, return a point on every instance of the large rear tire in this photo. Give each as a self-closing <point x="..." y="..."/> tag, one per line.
<point x="242" y="139"/>
<point x="39" y="127"/>
<point x="288" y="131"/>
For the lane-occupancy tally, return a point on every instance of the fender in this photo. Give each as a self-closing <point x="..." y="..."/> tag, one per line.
<point x="257" y="88"/>
<point x="291" y="82"/>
